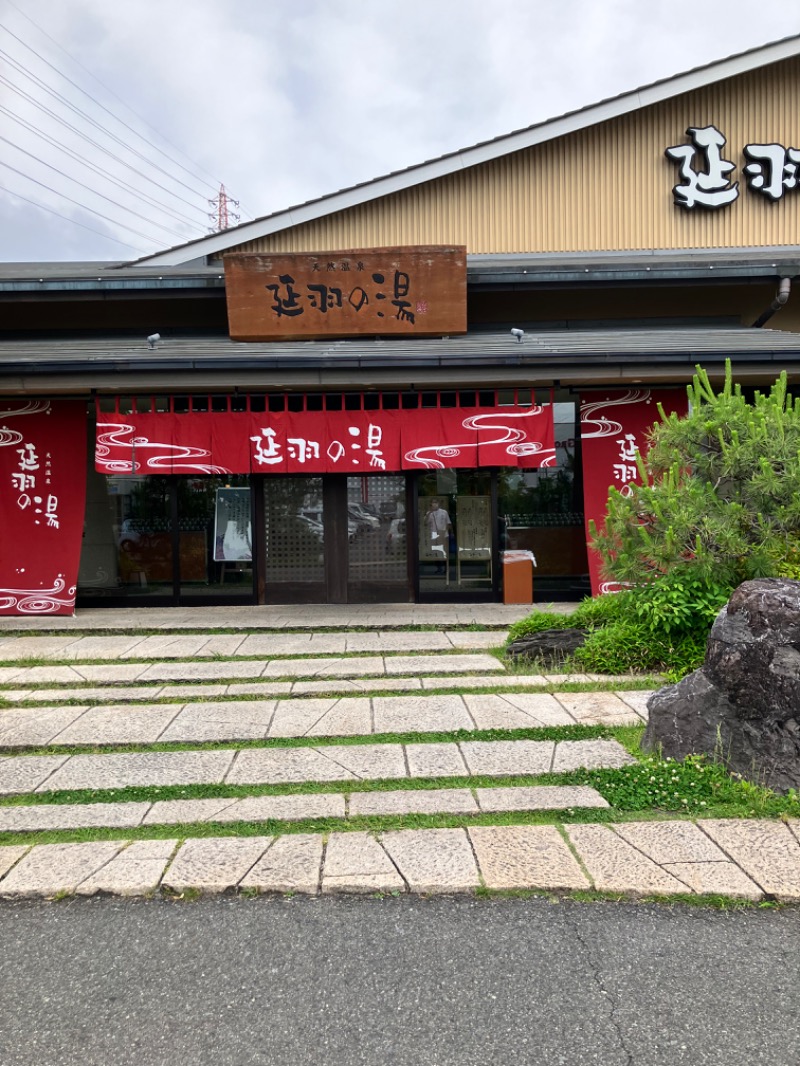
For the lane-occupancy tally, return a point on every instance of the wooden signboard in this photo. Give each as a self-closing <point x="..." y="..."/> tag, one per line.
<point x="411" y="292"/>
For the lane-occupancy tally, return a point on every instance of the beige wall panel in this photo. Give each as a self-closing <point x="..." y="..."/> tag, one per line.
<point x="608" y="187"/>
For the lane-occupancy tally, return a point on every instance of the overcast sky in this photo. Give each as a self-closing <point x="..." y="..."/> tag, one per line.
<point x="287" y="101"/>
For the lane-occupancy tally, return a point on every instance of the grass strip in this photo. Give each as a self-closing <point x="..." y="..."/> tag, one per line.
<point x="626" y="734"/>
<point x="363" y="823"/>
<point x="502" y="686"/>
<point x="651" y="788"/>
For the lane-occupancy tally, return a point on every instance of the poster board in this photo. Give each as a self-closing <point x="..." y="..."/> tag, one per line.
<point x="233" y="538"/>
<point x="474" y="527"/>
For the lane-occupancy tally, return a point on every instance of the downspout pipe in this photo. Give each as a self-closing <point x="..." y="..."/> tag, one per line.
<point x="781" y="296"/>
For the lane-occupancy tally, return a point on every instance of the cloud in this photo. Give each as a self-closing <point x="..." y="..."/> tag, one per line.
<point x="284" y="103"/>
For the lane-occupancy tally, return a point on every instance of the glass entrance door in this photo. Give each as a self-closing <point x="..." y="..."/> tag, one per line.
<point x="456" y="551"/>
<point x="294" y="540"/>
<point x="377" y="568"/>
<point x="335" y="539"/>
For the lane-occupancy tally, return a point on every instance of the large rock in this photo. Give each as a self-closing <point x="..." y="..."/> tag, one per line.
<point x="743" y="704"/>
<point x="550" y="647"/>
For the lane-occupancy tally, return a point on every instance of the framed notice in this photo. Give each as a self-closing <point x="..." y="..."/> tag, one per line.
<point x="233" y="540"/>
<point x="411" y="292"/>
<point x="474" y="526"/>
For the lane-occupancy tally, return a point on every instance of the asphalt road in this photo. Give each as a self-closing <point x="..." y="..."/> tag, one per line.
<point x="405" y="982"/>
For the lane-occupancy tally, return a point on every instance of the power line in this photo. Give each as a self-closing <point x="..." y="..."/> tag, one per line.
<point x="88" y="118"/>
<point x="53" y="142"/>
<point x="153" y="240"/>
<point x="94" y="192"/>
<point x="96" y="144"/>
<point x="77" y="62"/>
<point x="74" y="221"/>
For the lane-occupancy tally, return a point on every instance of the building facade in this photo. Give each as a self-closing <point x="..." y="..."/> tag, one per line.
<point x="154" y="449"/>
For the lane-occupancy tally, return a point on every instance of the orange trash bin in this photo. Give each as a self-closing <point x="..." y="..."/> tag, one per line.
<point x="518" y="576"/>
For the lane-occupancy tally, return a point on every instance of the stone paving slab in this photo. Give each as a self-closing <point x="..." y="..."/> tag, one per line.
<point x="35" y="727"/>
<point x="294" y="718"/>
<point x="356" y="667"/>
<point x="283" y="616"/>
<point x="598" y="708"/>
<point x="399" y="641"/>
<point x="676" y="842"/>
<point x="135" y="871"/>
<point x="539" y="798"/>
<point x="259" y="688"/>
<point x="108" y="694"/>
<point x="131" y="769"/>
<point x="422" y="861"/>
<point x="475" y="639"/>
<point x="194" y="671"/>
<point x="435" y="760"/>
<point x="197" y="722"/>
<point x="125" y="724"/>
<point x="356" y="862"/>
<point x="100" y="648"/>
<point x="278" y="766"/>
<point x="46" y="773"/>
<point x="714" y="879"/>
<point x="323" y="675"/>
<point x="34" y="647"/>
<point x="50" y="816"/>
<point x="187" y="692"/>
<point x="173" y="812"/>
<point x="25" y="775"/>
<point x="291" y="864"/>
<point x="433" y="860"/>
<point x="369" y="761"/>
<point x="11" y="855"/>
<point x="267" y="645"/>
<point x="347" y="685"/>
<point x="768" y="852"/>
<point x="49" y="869"/>
<point x="590" y="754"/>
<point x="213" y="864"/>
<point x="616" y="866"/>
<point x="347" y="718"/>
<point x="497" y="758"/>
<point x="525" y="856"/>
<point x="165" y="646"/>
<point x="507" y="712"/>
<point x="637" y="700"/>
<point x="420" y="714"/>
<point x="9" y="673"/>
<point x="284" y="808"/>
<point x="444" y="664"/>
<point x="413" y="801"/>
<point x="50" y="675"/>
<point x="116" y="673"/>
<point x="328" y="667"/>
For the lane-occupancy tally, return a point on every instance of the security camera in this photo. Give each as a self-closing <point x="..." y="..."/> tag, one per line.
<point x="518" y="333"/>
<point x="153" y="339"/>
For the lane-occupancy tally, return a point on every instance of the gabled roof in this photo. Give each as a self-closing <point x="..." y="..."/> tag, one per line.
<point x="634" y="100"/>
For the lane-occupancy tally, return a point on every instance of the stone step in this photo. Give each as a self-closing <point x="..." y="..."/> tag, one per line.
<point x="199" y="721"/>
<point x="352" y="762"/>
<point x="43" y="817"/>
<point x="746" y="859"/>
<point x="122" y="693"/>
<point x="241" y="645"/>
<point x="359" y="667"/>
